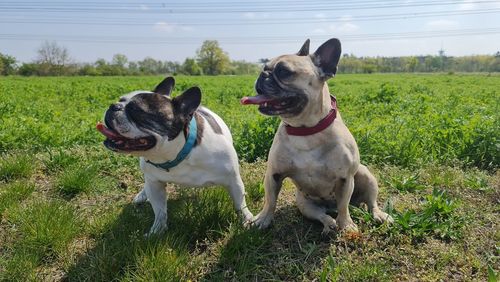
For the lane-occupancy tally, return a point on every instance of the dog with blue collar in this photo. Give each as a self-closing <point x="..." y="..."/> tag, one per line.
<point x="177" y="141"/>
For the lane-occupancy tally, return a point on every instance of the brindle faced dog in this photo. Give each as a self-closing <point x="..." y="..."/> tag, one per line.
<point x="177" y="141"/>
<point x="312" y="145"/>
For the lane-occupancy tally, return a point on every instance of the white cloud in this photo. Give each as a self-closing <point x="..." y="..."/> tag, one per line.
<point x="144" y="7"/>
<point x="249" y="15"/>
<point x="320" y="16"/>
<point x="467" y="5"/>
<point x="255" y="16"/>
<point x="344" y="27"/>
<point x="442" y="24"/>
<point x="319" y="31"/>
<point x="163" y="26"/>
<point x="171" y="27"/>
<point x="187" y="28"/>
<point x="346" y="18"/>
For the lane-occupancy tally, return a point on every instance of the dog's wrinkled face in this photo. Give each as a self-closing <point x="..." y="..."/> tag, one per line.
<point x="287" y="83"/>
<point x="142" y="119"/>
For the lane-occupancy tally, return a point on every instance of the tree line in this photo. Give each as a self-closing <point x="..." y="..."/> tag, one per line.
<point x="54" y="60"/>
<point x="210" y="59"/>
<point x="439" y="63"/>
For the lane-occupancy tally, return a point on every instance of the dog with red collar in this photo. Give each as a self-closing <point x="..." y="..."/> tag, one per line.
<point x="312" y="146"/>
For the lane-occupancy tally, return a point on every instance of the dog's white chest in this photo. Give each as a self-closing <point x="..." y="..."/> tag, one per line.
<point x="317" y="172"/>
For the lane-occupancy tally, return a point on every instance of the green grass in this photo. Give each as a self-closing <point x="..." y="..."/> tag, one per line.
<point x="431" y="140"/>
<point x="59" y="160"/>
<point x="44" y="230"/>
<point x="16" y="166"/>
<point x="437" y="217"/>
<point x="75" y="180"/>
<point x="348" y="270"/>
<point x="405" y="183"/>
<point x="435" y="118"/>
<point x="13" y="193"/>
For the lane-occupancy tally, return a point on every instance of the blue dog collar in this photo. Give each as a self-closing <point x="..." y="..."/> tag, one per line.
<point x="191" y="138"/>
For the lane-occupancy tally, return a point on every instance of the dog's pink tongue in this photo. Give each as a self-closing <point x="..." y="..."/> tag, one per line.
<point x="254" y="100"/>
<point x="106" y="131"/>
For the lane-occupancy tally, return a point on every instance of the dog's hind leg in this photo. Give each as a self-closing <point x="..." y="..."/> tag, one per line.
<point x="155" y="192"/>
<point x="237" y="192"/>
<point x="272" y="187"/>
<point x="366" y="191"/>
<point x="312" y="211"/>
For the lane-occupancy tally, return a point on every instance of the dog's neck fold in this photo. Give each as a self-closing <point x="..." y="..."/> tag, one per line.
<point x="317" y="108"/>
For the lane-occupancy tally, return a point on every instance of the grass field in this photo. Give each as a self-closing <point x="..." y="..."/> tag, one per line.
<point x="431" y="140"/>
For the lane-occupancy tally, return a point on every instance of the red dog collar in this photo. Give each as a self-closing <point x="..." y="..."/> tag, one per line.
<point x="322" y="124"/>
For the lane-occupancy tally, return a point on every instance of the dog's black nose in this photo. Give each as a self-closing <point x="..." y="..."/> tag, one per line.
<point x="116" y="107"/>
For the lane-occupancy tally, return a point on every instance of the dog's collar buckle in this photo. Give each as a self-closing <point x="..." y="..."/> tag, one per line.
<point x="186" y="149"/>
<point x="320" y="126"/>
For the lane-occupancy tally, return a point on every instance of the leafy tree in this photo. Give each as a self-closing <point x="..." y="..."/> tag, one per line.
<point x="411" y="64"/>
<point x="150" y="66"/>
<point x="243" y="67"/>
<point x="118" y="65"/>
<point x="170" y="67"/>
<point x="88" y="70"/>
<point x="191" y="67"/>
<point x="211" y="58"/>
<point x="29" y="69"/>
<point x="133" y="68"/>
<point x="119" y="60"/>
<point x="7" y="64"/>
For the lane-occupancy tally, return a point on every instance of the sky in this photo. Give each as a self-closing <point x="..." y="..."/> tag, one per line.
<point x="174" y="30"/>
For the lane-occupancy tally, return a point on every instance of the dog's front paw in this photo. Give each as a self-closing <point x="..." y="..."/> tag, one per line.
<point x="159" y="226"/>
<point x="262" y="220"/>
<point x="382" y="217"/>
<point x="329" y="229"/>
<point x="346" y="225"/>
<point x="247" y="218"/>
<point x="140" y="197"/>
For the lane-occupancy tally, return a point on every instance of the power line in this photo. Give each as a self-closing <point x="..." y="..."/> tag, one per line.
<point x="305" y="7"/>
<point x="261" y="22"/>
<point x="246" y="40"/>
<point x="191" y="4"/>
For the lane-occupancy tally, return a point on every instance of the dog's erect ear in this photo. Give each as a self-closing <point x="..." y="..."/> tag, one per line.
<point x="327" y="57"/>
<point x="165" y="87"/>
<point x="188" y="102"/>
<point x="304" y="51"/>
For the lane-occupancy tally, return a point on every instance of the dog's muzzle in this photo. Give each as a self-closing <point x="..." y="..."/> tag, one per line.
<point x="266" y="85"/>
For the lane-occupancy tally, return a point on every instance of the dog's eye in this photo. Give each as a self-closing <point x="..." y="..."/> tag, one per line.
<point x="284" y="73"/>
